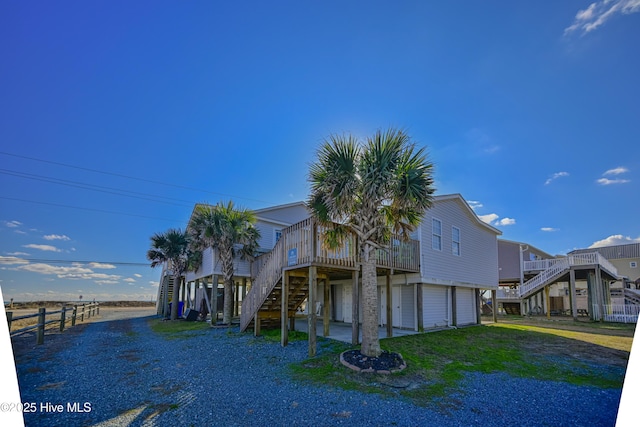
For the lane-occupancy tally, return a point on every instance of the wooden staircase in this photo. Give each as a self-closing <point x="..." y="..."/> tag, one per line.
<point x="558" y="268"/>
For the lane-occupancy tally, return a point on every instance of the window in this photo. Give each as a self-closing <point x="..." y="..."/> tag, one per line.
<point x="633" y="264"/>
<point x="276" y="236"/>
<point x="436" y="234"/>
<point x="455" y="241"/>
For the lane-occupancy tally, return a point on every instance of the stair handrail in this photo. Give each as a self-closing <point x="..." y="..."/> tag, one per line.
<point x="550" y="273"/>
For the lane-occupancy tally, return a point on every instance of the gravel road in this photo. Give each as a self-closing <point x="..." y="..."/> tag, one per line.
<point x="120" y="373"/>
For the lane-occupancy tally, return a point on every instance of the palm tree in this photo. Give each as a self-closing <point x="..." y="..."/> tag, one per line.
<point x="372" y="189"/>
<point x="232" y="232"/>
<point x="173" y="246"/>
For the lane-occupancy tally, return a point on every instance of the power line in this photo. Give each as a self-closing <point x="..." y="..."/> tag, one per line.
<point x="128" y="177"/>
<point x="99" y="188"/>
<point x="89" y="209"/>
<point x="65" y="261"/>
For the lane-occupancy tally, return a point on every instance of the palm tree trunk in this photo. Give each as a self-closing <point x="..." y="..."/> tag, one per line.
<point x="227" y="273"/>
<point x="370" y="340"/>
<point x="174" y="297"/>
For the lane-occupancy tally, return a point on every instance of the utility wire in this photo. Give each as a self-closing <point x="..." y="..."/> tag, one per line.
<point x="129" y="177"/>
<point x="99" y="188"/>
<point x="88" y="209"/>
<point x="65" y="261"/>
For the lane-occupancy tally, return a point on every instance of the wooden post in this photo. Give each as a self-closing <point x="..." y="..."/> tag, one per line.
<point x="325" y="308"/>
<point x="89" y="312"/>
<point x="572" y="294"/>
<point x="74" y="314"/>
<point x="389" y="306"/>
<point x="284" y="309"/>
<point x="313" y="287"/>
<point x="82" y="314"/>
<point x="214" y="299"/>
<point x="63" y="318"/>
<point x="236" y="298"/>
<point x="355" y="315"/>
<point x="478" y="307"/>
<point x="600" y="288"/>
<point x="454" y="308"/>
<point x="9" y="318"/>
<point x="419" y="307"/>
<point x="547" y="300"/>
<point x="244" y="291"/>
<point x="40" y="330"/>
<point x="494" y="305"/>
<point x="256" y="325"/>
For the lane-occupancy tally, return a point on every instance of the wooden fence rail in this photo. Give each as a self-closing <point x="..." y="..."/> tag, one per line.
<point x="40" y="326"/>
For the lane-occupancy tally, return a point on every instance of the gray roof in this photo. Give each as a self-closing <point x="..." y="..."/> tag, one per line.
<point x="631" y="250"/>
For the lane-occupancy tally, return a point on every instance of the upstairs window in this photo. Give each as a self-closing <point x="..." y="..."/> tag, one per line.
<point x="436" y="234"/>
<point x="277" y="236"/>
<point x="633" y="264"/>
<point x="455" y="241"/>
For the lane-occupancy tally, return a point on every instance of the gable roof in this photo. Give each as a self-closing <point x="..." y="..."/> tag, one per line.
<point x="531" y="247"/>
<point x="458" y="197"/>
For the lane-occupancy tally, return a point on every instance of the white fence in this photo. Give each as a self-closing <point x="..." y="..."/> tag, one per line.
<point x="621" y="313"/>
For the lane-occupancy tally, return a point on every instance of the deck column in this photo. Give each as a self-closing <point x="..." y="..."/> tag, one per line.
<point x="325" y="308"/>
<point x="478" y="307"/>
<point x="214" y="299"/>
<point x="313" y="287"/>
<point x="572" y="294"/>
<point x="547" y="300"/>
<point x="284" y="310"/>
<point x="355" y="315"/>
<point x="389" y="306"/>
<point x="494" y="305"/>
<point x="454" y="308"/>
<point x="600" y="288"/>
<point x="419" y="307"/>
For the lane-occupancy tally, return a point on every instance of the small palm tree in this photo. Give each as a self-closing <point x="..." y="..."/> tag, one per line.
<point x="173" y="246"/>
<point x="232" y="232"/>
<point x="372" y="189"/>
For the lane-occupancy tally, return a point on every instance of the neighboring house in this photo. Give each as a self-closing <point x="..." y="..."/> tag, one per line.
<point x="586" y="282"/>
<point x="432" y="281"/>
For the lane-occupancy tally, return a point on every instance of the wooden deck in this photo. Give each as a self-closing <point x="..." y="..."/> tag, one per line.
<point x="301" y="246"/>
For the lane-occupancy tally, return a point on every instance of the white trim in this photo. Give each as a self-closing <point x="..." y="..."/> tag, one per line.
<point x="433" y="234"/>
<point x="453" y="241"/>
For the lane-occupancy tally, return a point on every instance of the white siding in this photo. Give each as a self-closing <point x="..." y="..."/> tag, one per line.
<point x="337" y="298"/>
<point x="407" y="307"/>
<point x="465" y="306"/>
<point x="477" y="264"/>
<point x="289" y="214"/>
<point x="435" y="306"/>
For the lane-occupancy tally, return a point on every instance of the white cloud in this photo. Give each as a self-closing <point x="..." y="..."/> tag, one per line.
<point x="613" y="240"/>
<point x="549" y="229"/>
<point x="75" y="272"/>
<point x="474" y="204"/>
<point x="607" y="181"/>
<point x="555" y="176"/>
<point x="154" y="284"/>
<point x="599" y="12"/>
<point x="129" y="280"/>
<point x="18" y="253"/>
<point x="505" y="221"/>
<point x="48" y="248"/>
<point x="107" y="282"/>
<point x="56" y="237"/>
<point x="489" y="218"/>
<point x="616" y="171"/>
<point x="493" y="219"/>
<point x="13" y="224"/>
<point x="137" y="275"/>
<point x="101" y="265"/>
<point x="11" y="260"/>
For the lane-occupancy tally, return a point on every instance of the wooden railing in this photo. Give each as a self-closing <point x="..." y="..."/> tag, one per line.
<point x="507" y="294"/>
<point x="539" y="264"/>
<point x="621" y="313"/>
<point x="302" y="244"/>
<point x="40" y="326"/>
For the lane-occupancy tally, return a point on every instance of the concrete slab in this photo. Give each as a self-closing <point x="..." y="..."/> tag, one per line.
<point x="341" y="331"/>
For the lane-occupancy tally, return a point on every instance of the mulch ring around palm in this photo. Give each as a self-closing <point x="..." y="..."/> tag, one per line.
<point x="386" y="363"/>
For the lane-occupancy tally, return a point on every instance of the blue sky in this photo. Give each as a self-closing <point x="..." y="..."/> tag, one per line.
<point x="530" y="112"/>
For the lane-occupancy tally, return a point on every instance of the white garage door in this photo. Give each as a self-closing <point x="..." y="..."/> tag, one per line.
<point x="465" y="306"/>
<point x="435" y="304"/>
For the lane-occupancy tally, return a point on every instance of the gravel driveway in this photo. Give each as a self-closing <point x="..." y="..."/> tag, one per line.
<point x="120" y="373"/>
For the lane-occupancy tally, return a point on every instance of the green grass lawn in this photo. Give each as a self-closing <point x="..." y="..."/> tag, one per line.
<point x="175" y="329"/>
<point x="437" y="361"/>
